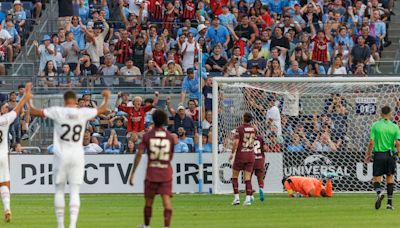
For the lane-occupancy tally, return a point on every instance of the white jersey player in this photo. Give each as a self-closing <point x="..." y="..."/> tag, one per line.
<point x="69" y="127"/>
<point x="5" y="121"/>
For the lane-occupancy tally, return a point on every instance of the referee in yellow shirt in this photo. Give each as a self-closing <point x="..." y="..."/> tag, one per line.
<point x="382" y="146"/>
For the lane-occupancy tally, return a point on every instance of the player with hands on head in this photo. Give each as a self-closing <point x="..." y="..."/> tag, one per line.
<point x="69" y="127"/>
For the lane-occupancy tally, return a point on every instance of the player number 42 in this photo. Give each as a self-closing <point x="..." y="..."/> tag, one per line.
<point x="160" y="149"/>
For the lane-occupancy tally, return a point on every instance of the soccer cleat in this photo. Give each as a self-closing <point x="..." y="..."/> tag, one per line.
<point x="379" y="199"/>
<point x="389" y="207"/>
<point x="247" y="203"/>
<point x="252" y="198"/>
<point x="7" y="216"/>
<point x="143" y="226"/>
<point x="261" y="193"/>
<point x="236" y="202"/>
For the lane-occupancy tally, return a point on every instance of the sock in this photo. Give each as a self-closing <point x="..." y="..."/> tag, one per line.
<point x="74" y="205"/>
<point x="329" y="188"/>
<point x="260" y="179"/>
<point x="235" y="185"/>
<point x="248" y="198"/>
<point x="249" y="190"/>
<point x="5" y="197"/>
<point x="390" y="193"/>
<point x="377" y="187"/>
<point x="147" y="215"/>
<point x="167" y="217"/>
<point x="237" y="197"/>
<point x="59" y="204"/>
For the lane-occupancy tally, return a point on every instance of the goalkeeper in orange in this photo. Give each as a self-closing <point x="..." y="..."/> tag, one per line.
<point x="307" y="186"/>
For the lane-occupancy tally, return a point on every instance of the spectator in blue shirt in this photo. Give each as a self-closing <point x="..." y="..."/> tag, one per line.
<point x="207" y="146"/>
<point x="217" y="34"/>
<point x="227" y="18"/>
<point x="314" y="68"/>
<point x="112" y="146"/>
<point x="181" y="147"/>
<point x="78" y="30"/>
<point x="207" y="94"/>
<point x="294" y="69"/>
<point x="188" y="25"/>
<point x="276" y="6"/>
<point x="186" y="140"/>
<point x="190" y="86"/>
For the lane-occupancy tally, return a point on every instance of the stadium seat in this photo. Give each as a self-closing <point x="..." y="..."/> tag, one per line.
<point x="123" y="140"/>
<point x="6" y="6"/>
<point x="161" y="104"/>
<point x="27" y="5"/>
<point x="107" y="132"/>
<point x="191" y="149"/>
<point x="120" y="132"/>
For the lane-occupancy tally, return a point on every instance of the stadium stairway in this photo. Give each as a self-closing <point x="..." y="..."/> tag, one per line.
<point x="391" y="54"/>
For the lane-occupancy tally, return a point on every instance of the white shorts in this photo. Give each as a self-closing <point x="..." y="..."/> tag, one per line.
<point x="68" y="168"/>
<point x="4" y="169"/>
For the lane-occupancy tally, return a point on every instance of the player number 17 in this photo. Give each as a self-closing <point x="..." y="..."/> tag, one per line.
<point x="159" y="149"/>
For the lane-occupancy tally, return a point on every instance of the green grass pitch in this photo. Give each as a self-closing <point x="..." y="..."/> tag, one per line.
<point x="126" y="210"/>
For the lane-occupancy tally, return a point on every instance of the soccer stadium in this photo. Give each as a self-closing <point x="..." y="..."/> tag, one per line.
<point x="199" y="113"/>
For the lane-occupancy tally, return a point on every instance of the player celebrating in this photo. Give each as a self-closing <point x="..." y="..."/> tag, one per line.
<point x="259" y="164"/>
<point x="308" y="186"/>
<point x="69" y="127"/>
<point x="159" y="144"/>
<point x="385" y="135"/>
<point x="244" y="158"/>
<point x="6" y="120"/>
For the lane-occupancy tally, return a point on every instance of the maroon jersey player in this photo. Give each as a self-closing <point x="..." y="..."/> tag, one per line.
<point x="259" y="164"/>
<point x="243" y="151"/>
<point x="159" y="144"/>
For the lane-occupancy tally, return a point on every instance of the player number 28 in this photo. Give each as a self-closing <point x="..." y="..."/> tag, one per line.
<point x="248" y="140"/>
<point x="76" y="133"/>
<point x="160" y="149"/>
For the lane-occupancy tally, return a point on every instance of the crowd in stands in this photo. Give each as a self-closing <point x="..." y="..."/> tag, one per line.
<point x="155" y="42"/>
<point x="159" y="43"/>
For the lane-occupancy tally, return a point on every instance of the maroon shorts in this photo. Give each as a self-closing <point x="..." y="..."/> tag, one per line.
<point x="259" y="164"/>
<point x="152" y="189"/>
<point x="246" y="166"/>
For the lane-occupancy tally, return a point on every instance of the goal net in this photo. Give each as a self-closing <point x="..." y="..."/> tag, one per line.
<point x="311" y="126"/>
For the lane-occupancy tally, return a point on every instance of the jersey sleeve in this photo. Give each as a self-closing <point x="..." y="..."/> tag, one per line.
<point x="143" y="143"/>
<point x="372" y="134"/>
<point x="87" y="113"/>
<point x="398" y="133"/>
<point x="51" y="113"/>
<point x="8" y="118"/>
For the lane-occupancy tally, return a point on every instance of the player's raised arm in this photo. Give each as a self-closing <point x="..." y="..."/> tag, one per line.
<point x="22" y="102"/>
<point x="104" y="105"/>
<point x="32" y="109"/>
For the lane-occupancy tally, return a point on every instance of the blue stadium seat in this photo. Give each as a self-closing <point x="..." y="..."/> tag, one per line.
<point x="6" y="6"/>
<point x="120" y="132"/>
<point x="161" y="104"/>
<point x="123" y="140"/>
<point x="107" y="132"/>
<point x="27" y="5"/>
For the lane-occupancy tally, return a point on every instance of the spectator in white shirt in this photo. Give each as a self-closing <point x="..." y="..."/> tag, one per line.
<point x="337" y="67"/>
<point x="4" y="35"/>
<point x="46" y="52"/>
<point x="88" y="146"/>
<point x="274" y="117"/>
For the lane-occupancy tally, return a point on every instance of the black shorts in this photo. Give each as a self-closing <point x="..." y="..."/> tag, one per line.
<point x="384" y="164"/>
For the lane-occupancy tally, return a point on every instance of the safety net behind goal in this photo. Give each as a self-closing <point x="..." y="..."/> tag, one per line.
<point x="310" y="128"/>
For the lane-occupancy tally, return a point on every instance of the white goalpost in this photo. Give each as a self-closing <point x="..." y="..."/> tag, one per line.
<point x="323" y="126"/>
